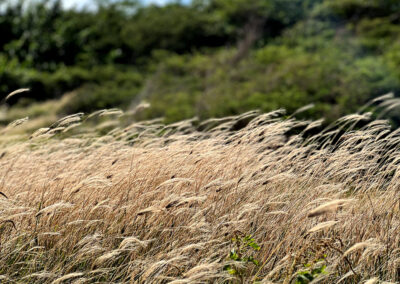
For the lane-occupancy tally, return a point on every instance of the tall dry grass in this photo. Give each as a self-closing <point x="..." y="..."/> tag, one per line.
<point x="149" y="203"/>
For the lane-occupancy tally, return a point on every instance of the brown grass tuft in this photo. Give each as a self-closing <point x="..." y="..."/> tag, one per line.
<point x="328" y="207"/>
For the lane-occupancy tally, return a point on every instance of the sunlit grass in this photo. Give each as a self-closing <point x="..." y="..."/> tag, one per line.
<point x="249" y="198"/>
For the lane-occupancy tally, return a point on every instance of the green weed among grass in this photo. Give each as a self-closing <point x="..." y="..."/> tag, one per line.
<point x="311" y="271"/>
<point x="242" y="256"/>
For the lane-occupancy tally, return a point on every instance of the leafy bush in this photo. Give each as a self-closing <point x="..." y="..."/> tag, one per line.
<point x="192" y="60"/>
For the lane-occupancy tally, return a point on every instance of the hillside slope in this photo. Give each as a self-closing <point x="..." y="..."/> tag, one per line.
<point x="210" y="58"/>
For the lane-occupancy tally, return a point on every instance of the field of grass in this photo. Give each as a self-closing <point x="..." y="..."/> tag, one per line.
<point x="255" y="198"/>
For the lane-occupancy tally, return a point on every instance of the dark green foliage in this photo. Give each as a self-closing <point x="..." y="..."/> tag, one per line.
<point x="106" y="87"/>
<point x="208" y="58"/>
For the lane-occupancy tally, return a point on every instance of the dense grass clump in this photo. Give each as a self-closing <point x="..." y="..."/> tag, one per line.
<point x="255" y="198"/>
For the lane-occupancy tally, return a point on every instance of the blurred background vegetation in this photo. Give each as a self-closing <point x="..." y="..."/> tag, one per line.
<point x="205" y="58"/>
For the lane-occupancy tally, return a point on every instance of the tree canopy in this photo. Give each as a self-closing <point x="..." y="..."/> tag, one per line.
<point x="206" y="58"/>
